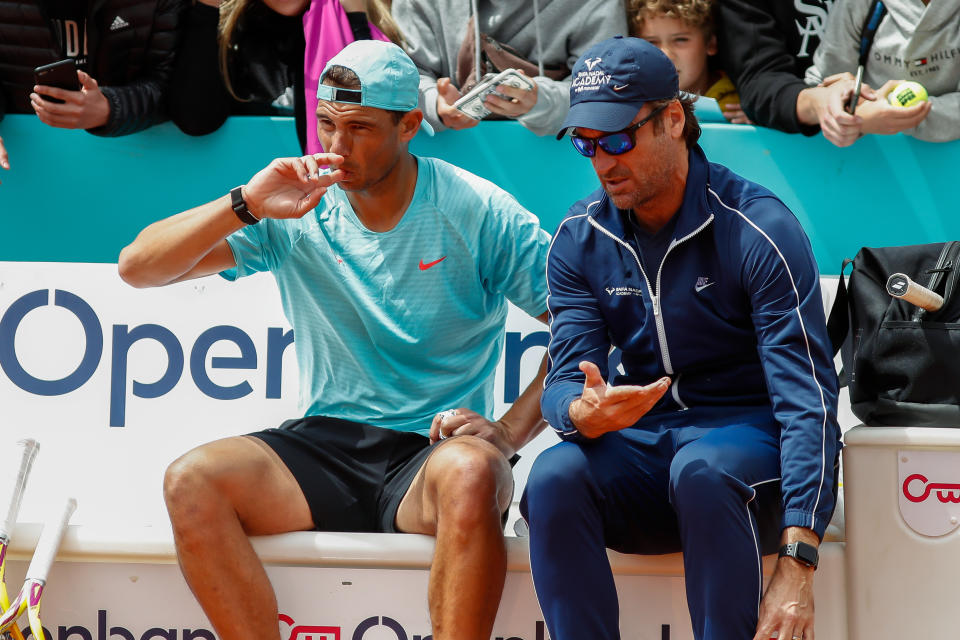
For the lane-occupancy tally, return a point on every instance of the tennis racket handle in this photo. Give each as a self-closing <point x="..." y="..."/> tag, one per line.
<point x="9" y="509"/>
<point x="899" y="285"/>
<point x="50" y="539"/>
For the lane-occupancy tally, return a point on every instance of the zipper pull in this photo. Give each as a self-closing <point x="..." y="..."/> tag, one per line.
<point x="656" y="305"/>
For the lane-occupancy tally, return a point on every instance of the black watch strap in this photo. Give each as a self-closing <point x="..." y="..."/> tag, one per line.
<point x="240" y="207"/>
<point x="802" y="552"/>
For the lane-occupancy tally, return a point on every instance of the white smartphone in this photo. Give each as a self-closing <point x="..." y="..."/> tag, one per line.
<point x="472" y="105"/>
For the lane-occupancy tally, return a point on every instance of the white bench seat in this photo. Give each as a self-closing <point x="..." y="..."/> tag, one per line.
<point x="315" y="549"/>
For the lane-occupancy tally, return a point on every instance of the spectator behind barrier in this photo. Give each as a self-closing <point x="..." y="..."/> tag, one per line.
<point x="261" y="56"/>
<point x="240" y="59"/>
<point x="394" y="272"/>
<point x="719" y="437"/>
<point x="684" y="31"/>
<point x="124" y="51"/>
<point x="548" y="35"/>
<point x="329" y="26"/>
<point x="766" y="47"/>
<point x="914" y="41"/>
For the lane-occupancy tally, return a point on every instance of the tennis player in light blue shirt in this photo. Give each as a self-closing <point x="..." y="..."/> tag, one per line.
<point x="420" y="306"/>
<point x="395" y="272"/>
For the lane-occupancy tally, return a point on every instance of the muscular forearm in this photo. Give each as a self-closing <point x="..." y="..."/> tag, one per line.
<point x="786" y="609"/>
<point x="799" y="534"/>
<point x="790" y="569"/>
<point x="523" y="421"/>
<point x="171" y="249"/>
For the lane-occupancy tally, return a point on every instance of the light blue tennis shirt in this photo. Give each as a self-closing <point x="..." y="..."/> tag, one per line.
<point x="392" y="327"/>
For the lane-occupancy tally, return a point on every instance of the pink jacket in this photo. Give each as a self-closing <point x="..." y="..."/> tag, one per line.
<point x="326" y="31"/>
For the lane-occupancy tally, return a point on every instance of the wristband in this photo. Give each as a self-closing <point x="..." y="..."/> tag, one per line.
<point x="239" y="206"/>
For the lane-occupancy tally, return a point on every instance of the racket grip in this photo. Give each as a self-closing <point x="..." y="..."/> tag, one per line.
<point x="50" y="539"/>
<point x="899" y="285"/>
<point x="11" y="507"/>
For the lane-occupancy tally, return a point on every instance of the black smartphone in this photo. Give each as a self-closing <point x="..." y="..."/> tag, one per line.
<point x="61" y="74"/>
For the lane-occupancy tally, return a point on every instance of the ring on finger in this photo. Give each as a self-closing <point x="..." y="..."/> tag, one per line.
<point x="443" y="415"/>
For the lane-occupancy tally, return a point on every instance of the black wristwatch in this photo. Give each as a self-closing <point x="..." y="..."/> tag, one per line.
<point x="805" y="554"/>
<point x="240" y="206"/>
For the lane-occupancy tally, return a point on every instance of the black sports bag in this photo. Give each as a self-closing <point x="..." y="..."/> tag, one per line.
<point x="901" y="363"/>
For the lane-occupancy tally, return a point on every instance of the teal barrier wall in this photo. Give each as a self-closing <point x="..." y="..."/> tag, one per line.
<point x="73" y="197"/>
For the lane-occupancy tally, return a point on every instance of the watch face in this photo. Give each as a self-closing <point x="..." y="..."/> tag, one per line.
<point x="802" y="552"/>
<point x="807" y="553"/>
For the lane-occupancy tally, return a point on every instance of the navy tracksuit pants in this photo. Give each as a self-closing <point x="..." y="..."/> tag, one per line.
<point x="704" y="482"/>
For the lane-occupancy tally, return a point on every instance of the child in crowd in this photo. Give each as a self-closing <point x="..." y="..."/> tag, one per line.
<point x="684" y="31"/>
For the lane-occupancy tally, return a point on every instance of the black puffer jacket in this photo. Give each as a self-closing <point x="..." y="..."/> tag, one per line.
<point x="131" y="44"/>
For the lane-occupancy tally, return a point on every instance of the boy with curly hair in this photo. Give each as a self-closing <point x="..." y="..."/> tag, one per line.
<point x="684" y="31"/>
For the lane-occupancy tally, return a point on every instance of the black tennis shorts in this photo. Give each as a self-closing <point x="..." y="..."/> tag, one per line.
<point x="353" y="475"/>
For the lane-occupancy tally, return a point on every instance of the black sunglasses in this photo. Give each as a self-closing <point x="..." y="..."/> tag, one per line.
<point x="613" y="143"/>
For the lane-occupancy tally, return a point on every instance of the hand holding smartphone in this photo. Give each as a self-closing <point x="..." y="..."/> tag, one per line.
<point x="471" y="103"/>
<point x="62" y="74"/>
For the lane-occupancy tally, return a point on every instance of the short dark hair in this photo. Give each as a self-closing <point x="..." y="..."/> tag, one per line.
<point x="345" y="78"/>
<point x="691" y="126"/>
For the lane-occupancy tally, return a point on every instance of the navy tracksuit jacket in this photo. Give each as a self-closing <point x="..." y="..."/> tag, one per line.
<point x="734" y="316"/>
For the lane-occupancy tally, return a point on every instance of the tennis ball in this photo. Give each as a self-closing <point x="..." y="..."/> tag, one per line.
<point x="907" y="94"/>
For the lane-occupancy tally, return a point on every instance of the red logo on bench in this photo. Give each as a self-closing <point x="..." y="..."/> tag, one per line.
<point x="309" y="632"/>
<point x="946" y="492"/>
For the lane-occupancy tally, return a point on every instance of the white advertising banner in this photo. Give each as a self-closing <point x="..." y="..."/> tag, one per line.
<point x="116" y="382"/>
<point x="99" y="601"/>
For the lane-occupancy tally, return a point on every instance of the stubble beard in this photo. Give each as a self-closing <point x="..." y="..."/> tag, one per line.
<point x="649" y="185"/>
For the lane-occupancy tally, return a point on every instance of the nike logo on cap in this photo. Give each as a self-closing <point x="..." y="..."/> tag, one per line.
<point x="424" y="267"/>
<point x="619" y="87"/>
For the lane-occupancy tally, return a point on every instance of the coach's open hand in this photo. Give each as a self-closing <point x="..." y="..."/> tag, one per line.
<point x="290" y="187"/>
<point x="602" y="408"/>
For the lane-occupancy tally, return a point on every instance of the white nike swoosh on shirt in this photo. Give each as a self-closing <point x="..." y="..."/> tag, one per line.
<point x="704" y="286"/>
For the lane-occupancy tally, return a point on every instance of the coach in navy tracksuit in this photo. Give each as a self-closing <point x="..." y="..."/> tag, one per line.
<point x="720" y="437"/>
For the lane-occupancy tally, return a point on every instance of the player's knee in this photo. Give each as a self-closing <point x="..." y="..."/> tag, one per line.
<point x="473" y="479"/>
<point x="189" y="483"/>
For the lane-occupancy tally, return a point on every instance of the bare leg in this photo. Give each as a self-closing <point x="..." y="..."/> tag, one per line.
<point x="458" y="496"/>
<point x="218" y="495"/>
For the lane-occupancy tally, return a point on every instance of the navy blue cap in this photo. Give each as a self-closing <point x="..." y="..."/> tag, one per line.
<point x="613" y="79"/>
